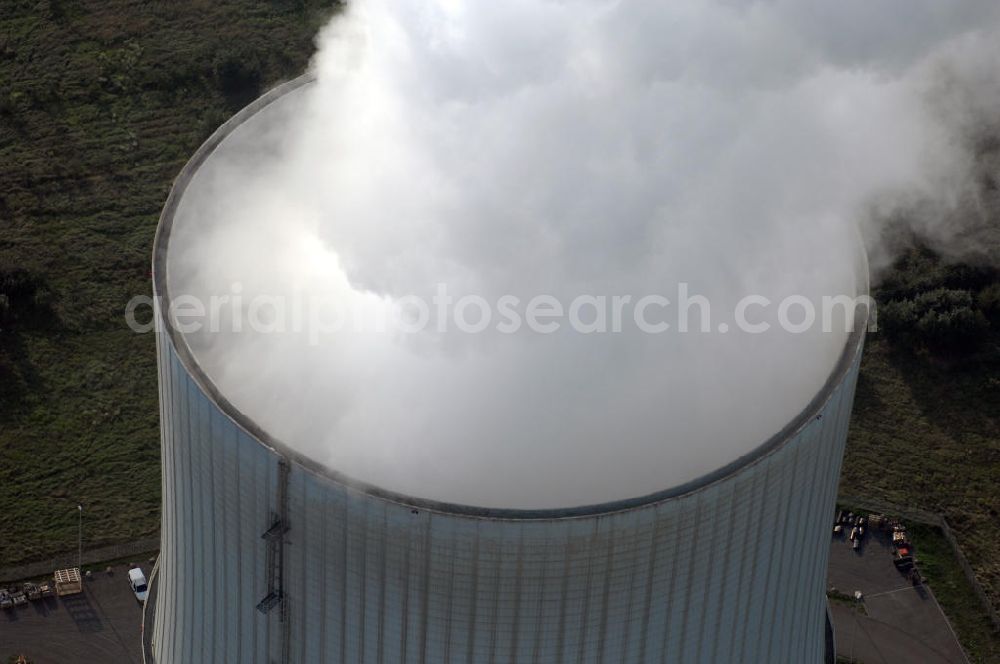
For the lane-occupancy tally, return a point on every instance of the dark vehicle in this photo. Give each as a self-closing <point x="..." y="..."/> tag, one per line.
<point x="6" y="602"/>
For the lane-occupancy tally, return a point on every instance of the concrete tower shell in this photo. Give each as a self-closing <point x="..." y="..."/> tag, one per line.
<point x="268" y="556"/>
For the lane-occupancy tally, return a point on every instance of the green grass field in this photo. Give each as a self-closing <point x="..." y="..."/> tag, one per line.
<point x="101" y="103"/>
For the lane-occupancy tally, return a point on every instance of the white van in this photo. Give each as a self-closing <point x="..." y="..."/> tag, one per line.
<point x="137" y="581"/>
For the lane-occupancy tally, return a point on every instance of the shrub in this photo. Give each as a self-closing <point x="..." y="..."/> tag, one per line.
<point x="238" y="73"/>
<point x="5" y="311"/>
<point x="19" y="287"/>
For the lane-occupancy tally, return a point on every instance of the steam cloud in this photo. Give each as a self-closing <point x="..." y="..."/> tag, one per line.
<point x="530" y="146"/>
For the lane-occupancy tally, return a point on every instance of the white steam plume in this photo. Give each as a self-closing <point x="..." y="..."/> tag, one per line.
<point x="537" y="147"/>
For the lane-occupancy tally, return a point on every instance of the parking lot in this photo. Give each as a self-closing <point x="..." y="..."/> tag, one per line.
<point x="100" y="625"/>
<point x="896" y="621"/>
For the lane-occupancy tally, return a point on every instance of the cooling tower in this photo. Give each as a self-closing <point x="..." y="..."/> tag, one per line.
<point x="270" y="556"/>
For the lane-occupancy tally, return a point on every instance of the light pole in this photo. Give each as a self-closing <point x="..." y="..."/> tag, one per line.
<point x="79" y="538"/>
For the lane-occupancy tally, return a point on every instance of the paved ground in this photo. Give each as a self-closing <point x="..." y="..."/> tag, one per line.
<point x="99" y="626"/>
<point x="863" y="639"/>
<point x="896" y="621"/>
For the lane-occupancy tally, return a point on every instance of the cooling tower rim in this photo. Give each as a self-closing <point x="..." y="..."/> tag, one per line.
<point x="177" y="340"/>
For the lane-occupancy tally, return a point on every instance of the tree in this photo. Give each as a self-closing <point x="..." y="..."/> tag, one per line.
<point x="939" y="319"/>
<point x="19" y="287"/>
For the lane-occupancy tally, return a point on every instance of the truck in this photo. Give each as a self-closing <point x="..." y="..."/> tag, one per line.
<point x="903" y="558"/>
<point x="33" y="592"/>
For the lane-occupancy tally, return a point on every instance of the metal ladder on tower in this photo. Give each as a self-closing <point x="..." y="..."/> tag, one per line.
<point x="275" y="562"/>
